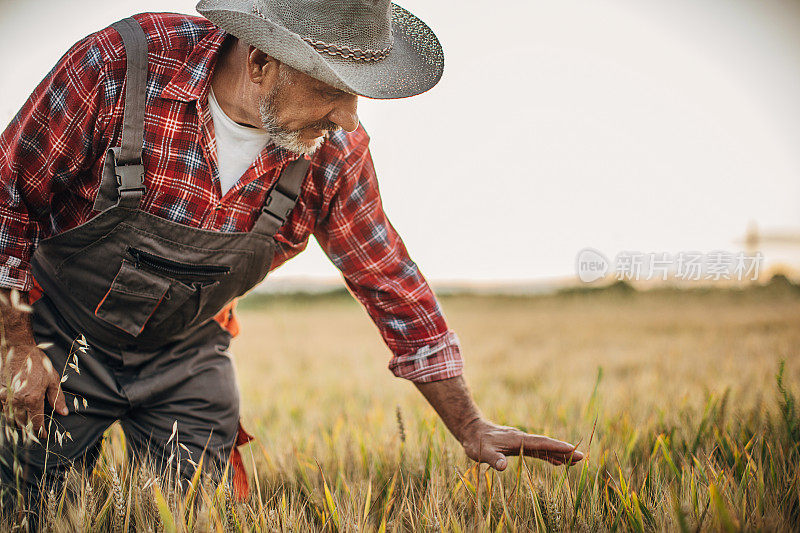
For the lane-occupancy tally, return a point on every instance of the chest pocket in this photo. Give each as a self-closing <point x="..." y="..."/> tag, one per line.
<point x="156" y="292"/>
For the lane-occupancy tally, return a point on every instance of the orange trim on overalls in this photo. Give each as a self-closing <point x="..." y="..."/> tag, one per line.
<point x="227" y="318"/>
<point x="35" y="292"/>
<point x="241" y="485"/>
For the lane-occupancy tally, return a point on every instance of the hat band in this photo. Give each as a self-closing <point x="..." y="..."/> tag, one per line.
<point x="347" y="52"/>
<point x="337" y="50"/>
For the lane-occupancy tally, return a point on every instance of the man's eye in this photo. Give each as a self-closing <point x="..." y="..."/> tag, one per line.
<point x="329" y="94"/>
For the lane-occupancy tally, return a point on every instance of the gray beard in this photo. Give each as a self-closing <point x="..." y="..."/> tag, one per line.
<point x="283" y="138"/>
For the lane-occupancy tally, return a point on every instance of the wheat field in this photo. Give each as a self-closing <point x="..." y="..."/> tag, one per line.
<point x="684" y="401"/>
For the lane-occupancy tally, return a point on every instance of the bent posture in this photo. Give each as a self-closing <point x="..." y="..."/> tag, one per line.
<point x="160" y="170"/>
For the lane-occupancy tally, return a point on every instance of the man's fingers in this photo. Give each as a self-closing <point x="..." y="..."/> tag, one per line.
<point x="554" y="458"/>
<point x="562" y="458"/>
<point x="56" y="397"/>
<point x="551" y="450"/>
<point x="546" y="444"/>
<point x="20" y="414"/>
<point x="575" y="456"/>
<point x="496" y="460"/>
<point x="36" y="416"/>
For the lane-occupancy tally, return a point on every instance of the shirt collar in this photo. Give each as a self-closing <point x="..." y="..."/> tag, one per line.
<point x="190" y="82"/>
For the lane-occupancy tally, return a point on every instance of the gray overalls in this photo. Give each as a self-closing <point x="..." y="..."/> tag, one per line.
<point x="143" y="291"/>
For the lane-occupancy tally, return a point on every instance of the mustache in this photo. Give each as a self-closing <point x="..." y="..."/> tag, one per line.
<point x="324" y="125"/>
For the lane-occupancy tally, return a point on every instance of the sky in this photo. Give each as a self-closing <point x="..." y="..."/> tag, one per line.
<point x="655" y="126"/>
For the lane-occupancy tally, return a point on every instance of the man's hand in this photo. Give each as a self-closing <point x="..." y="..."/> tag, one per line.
<point x="27" y="373"/>
<point x="484" y="441"/>
<point x="489" y="443"/>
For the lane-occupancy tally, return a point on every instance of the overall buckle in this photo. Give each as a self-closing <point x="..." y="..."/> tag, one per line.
<point x="130" y="177"/>
<point x="279" y="204"/>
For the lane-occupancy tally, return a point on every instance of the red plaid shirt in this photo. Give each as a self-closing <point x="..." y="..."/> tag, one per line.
<point x="51" y="157"/>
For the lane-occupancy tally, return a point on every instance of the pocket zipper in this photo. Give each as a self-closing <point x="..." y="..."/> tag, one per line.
<point x="175" y="268"/>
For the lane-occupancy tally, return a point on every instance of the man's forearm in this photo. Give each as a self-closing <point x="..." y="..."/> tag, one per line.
<point x="453" y="402"/>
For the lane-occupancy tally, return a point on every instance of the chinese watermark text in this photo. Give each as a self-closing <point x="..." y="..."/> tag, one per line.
<point x="716" y="265"/>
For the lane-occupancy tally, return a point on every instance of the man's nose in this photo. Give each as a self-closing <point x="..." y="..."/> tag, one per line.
<point x="345" y="114"/>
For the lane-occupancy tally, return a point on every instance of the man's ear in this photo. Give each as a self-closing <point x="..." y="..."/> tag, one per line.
<point x="260" y="66"/>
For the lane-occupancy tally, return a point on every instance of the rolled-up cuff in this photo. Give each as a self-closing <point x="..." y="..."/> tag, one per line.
<point x="435" y="361"/>
<point x="13" y="276"/>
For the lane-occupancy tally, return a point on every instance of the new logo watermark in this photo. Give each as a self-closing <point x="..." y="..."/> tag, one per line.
<point x="591" y="265"/>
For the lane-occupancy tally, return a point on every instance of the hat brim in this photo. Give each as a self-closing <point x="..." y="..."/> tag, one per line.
<point x="414" y="64"/>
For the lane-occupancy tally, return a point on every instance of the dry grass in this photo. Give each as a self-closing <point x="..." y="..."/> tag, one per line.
<point x="692" y="431"/>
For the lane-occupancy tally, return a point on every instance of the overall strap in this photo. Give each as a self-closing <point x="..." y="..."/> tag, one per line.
<point x="282" y="198"/>
<point x="122" y="181"/>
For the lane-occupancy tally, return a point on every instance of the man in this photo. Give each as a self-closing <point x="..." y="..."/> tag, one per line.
<point x="159" y="171"/>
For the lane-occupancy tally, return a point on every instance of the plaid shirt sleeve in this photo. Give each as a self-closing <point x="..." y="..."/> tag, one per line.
<point x="359" y="239"/>
<point x="49" y="141"/>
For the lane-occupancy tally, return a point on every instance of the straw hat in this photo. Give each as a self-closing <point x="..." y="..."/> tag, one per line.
<point x="373" y="48"/>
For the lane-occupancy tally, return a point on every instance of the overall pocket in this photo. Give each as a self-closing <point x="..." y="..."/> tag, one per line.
<point x="192" y="299"/>
<point x="155" y="296"/>
<point x="192" y="286"/>
<point x="177" y="269"/>
<point x="132" y="299"/>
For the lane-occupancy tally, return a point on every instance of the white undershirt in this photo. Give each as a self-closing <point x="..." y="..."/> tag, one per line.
<point x="237" y="145"/>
